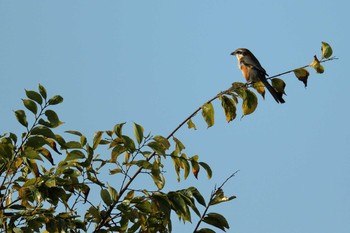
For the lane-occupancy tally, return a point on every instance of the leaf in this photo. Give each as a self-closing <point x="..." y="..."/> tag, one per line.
<point x="208" y="114"/>
<point x="197" y="195"/>
<point x="229" y="107"/>
<point x="250" y="102"/>
<point x="138" y="132"/>
<point x="129" y="143"/>
<point x="326" y="50"/>
<point x="118" y="129"/>
<point x="220" y="197"/>
<point x="279" y="85"/>
<point x="317" y="65"/>
<point x="73" y="144"/>
<point x="207" y="169"/>
<point x="74" y="132"/>
<point x="117" y="150"/>
<point x="195" y="167"/>
<point x="191" y="125"/>
<point x="179" y="205"/>
<point x="75" y="154"/>
<point x="97" y="139"/>
<point x="43" y="131"/>
<point x="113" y="193"/>
<point x="205" y="230"/>
<point x="57" y="99"/>
<point x="106" y="198"/>
<point x="302" y="74"/>
<point x="42" y="91"/>
<point x="36" y="141"/>
<point x="33" y="95"/>
<point x="260" y="88"/>
<point x="156" y="147"/>
<point x="53" y="118"/>
<point x="21" y="117"/>
<point x="162" y="141"/>
<point x="216" y="220"/>
<point x="30" y="105"/>
<point x="31" y="154"/>
<point x="179" y="146"/>
<point x="115" y="171"/>
<point x="185" y="165"/>
<point x="47" y="154"/>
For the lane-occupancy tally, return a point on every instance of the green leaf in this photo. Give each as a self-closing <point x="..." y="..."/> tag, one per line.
<point x="208" y="114"/>
<point x="53" y="118"/>
<point x="138" y="132"/>
<point x="216" y="220"/>
<point x="191" y="125"/>
<point x="31" y="154"/>
<point x="47" y="154"/>
<point x="260" y="88"/>
<point x="207" y="169"/>
<point x="250" y="102"/>
<point x="106" y="198"/>
<point x="195" y="167"/>
<point x="179" y="205"/>
<point x="36" y="141"/>
<point x="129" y="143"/>
<point x="57" y="99"/>
<point x="220" y="197"/>
<point x="43" y="131"/>
<point x="74" y="132"/>
<point x="73" y="144"/>
<point x="75" y="154"/>
<point x="179" y="146"/>
<point x="229" y="107"/>
<point x="302" y="74"/>
<point x="33" y="95"/>
<point x="279" y="85"/>
<point x="162" y="141"/>
<point x="115" y="171"/>
<point x="97" y="139"/>
<point x="186" y="165"/>
<point x="113" y="193"/>
<point x="30" y="105"/>
<point x="117" y="150"/>
<point x="21" y="117"/>
<point x="197" y="195"/>
<point x="156" y="147"/>
<point x="118" y="129"/>
<point x="42" y="91"/>
<point x="326" y="50"/>
<point x="205" y="230"/>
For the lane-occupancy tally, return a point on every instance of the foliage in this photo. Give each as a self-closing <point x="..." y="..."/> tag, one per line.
<point x="48" y="180"/>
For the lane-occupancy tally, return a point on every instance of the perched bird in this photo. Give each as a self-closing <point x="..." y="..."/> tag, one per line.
<point x="254" y="72"/>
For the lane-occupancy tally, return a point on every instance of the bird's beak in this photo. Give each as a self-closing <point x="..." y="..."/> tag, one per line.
<point x="233" y="53"/>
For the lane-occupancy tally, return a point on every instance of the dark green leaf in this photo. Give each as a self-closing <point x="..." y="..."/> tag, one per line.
<point x="157" y="147"/>
<point x="205" y="230"/>
<point x="207" y="169"/>
<point x="43" y="131"/>
<point x="106" y="197"/>
<point x="31" y="154"/>
<point x="47" y="154"/>
<point x="36" y="141"/>
<point x="53" y="118"/>
<point x="216" y="220"/>
<point x="42" y="91"/>
<point x="21" y="117"/>
<point x="208" y="114"/>
<point x="302" y="74"/>
<point x="117" y="150"/>
<point x="220" y="197"/>
<point x="197" y="195"/>
<point x="129" y="143"/>
<point x="162" y="141"/>
<point x="57" y="99"/>
<point x="30" y="105"/>
<point x="138" y="132"/>
<point x="74" y="132"/>
<point x="33" y="95"/>
<point x="75" y="154"/>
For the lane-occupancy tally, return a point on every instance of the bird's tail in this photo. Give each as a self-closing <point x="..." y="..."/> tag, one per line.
<point x="277" y="96"/>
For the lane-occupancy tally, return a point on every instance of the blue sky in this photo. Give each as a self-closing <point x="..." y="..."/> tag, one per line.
<point x="155" y="62"/>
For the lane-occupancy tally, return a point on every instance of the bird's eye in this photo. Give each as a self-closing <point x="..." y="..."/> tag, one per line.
<point x="239" y="52"/>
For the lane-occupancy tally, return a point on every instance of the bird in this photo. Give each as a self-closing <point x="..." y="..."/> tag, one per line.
<point x="253" y="71"/>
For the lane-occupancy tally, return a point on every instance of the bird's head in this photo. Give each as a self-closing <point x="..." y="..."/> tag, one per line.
<point x="240" y="52"/>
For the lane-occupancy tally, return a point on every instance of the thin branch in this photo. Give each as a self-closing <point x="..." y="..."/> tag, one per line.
<point x="212" y="195"/>
<point x="104" y="220"/>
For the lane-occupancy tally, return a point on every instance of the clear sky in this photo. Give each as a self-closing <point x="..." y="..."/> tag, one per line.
<point x="155" y="62"/>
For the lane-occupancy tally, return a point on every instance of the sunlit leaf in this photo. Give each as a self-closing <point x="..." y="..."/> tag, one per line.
<point x="162" y="141"/>
<point x="195" y="168"/>
<point x="190" y="124"/>
<point x="302" y="74"/>
<point x="326" y="50"/>
<point x="31" y="154"/>
<point x="73" y="144"/>
<point x="74" y="132"/>
<point x="53" y="118"/>
<point x="30" y="105"/>
<point x="178" y="145"/>
<point x="317" y="65"/>
<point x="117" y="150"/>
<point x="47" y="154"/>
<point x="220" y="197"/>
<point x="115" y="171"/>
<point x="260" y="88"/>
<point x="208" y="114"/>
<point x="138" y="132"/>
<point x="118" y="129"/>
<point x="97" y="139"/>
<point x="21" y="117"/>
<point x="33" y="95"/>
<point x="114" y="194"/>
<point x="250" y="102"/>
<point x="156" y="147"/>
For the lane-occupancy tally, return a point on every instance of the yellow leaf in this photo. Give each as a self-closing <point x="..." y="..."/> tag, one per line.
<point x="250" y="102"/>
<point x="260" y="88"/>
<point x="326" y="50"/>
<point x="229" y="107"/>
<point x="190" y="124"/>
<point x="208" y="114"/>
<point x="317" y="66"/>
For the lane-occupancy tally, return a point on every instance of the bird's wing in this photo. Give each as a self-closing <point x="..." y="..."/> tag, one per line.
<point x="254" y="63"/>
